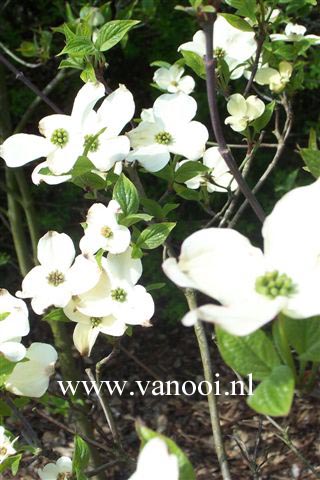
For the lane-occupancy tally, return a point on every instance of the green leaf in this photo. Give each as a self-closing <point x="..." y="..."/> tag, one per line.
<point x="304" y="336"/>
<point x="189" y="170"/>
<point x="6" y="367"/>
<point x="245" y="8"/>
<point x="79" y="47"/>
<point x="88" y="74"/>
<point x="126" y="195"/>
<point x="186" y="193"/>
<point x="252" y="353"/>
<point x="152" y="207"/>
<point x="195" y="62"/>
<point x="186" y="471"/>
<point x="168" y="207"/>
<point x="82" y="166"/>
<point x="113" y="32"/>
<point x="154" y="235"/>
<point x="90" y="180"/>
<point x="160" y="64"/>
<point x="155" y="286"/>
<point x="81" y="457"/>
<point x="313" y="144"/>
<point x="5" y="411"/>
<point x="55" y="315"/>
<point x="265" y="118"/>
<point x="135" y="218"/>
<point x="11" y="462"/>
<point x="275" y="394"/>
<point x="311" y="158"/>
<point x="237" y="22"/>
<point x="4" y="315"/>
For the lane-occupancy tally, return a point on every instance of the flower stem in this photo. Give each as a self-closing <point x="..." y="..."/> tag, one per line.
<point x="208" y="375"/>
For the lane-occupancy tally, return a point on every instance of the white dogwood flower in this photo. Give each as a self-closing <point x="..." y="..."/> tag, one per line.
<point x="156" y="462"/>
<point x="172" y="79"/>
<point x="66" y="137"/>
<point x="103" y="230"/>
<point x="88" y="328"/>
<point x="55" y="280"/>
<point x="168" y="129"/>
<point x="114" y="302"/>
<point x="276" y="79"/>
<point x="243" y="111"/>
<point x="253" y="287"/>
<point x="30" y="378"/>
<point x="60" y="470"/>
<point x="218" y="178"/>
<point x="229" y="43"/>
<point x="294" y="33"/>
<point x="6" y="446"/>
<point x="14" y="324"/>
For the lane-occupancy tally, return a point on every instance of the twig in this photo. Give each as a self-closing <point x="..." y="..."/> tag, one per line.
<point x="140" y="363"/>
<point x="20" y="76"/>
<point x="254" y="70"/>
<point x="208" y="375"/>
<point x="64" y="427"/>
<point x="282" y="138"/>
<point x="210" y="64"/>
<point x="18" y="59"/>
<point x="28" y="432"/>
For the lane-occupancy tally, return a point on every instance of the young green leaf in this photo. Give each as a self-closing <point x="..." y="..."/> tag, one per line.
<point x="189" y="170"/>
<point x="126" y="195"/>
<point x="154" y="235"/>
<point x="79" y="47"/>
<point x="113" y="32"/>
<point x="311" y="158"/>
<point x="265" y="118"/>
<point x="56" y="315"/>
<point x="195" y="62"/>
<point x="237" y="22"/>
<point x="81" y="457"/>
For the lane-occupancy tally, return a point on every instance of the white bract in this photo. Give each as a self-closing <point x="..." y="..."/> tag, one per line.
<point x="55" y="280"/>
<point x="156" y="463"/>
<point x="6" y="446"/>
<point x="295" y="33"/>
<point x="66" y="137"/>
<point x="276" y="79"/>
<point x="14" y="324"/>
<point x="61" y="470"/>
<point x="243" y="111"/>
<point x="114" y="302"/>
<point x="172" y="79"/>
<point x="253" y="287"/>
<point x="168" y="128"/>
<point x="30" y="378"/>
<point x="234" y="46"/>
<point x="218" y="178"/>
<point x="103" y="231"/>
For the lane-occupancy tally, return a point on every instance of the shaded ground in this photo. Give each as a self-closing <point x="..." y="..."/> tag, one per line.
<point x="174" y="356"/>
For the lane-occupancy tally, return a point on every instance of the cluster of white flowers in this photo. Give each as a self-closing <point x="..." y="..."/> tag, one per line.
<point x="253" y="287"/>
<point x="295" y="33"/>
<point x="60" y="470"/>
<point x="6" y="446"/>
<point x="30" y="376"/>
<point x="99" y="296"/>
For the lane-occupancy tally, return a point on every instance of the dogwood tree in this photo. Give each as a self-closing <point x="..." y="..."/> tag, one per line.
<point x="248" y="58"/>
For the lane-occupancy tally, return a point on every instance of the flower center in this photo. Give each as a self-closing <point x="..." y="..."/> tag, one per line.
<point x="91" y="142"/>
<point x="3" y="451"/>
<point x="55" y="278"/>
<point x="60" y="137"/>
<point x="119" y="295"/>
<point x="219" y="52"/>
<point x="106" y="232"/>
<point x="64" y="476"/>
<point x="95" y="321"/>
<point x="164" y="138"/>
<point x="273" y="284"/>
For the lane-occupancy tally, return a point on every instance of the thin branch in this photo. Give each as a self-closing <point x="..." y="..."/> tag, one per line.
<point x="20" y="76"/>
<point x="282" y="138"/>
<point x="18" y="59"/>
<point x="212" y="401"/>
<point x="255" y="66"/>
<point x="64" y="427"/>
<point x="210" y="64"/>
